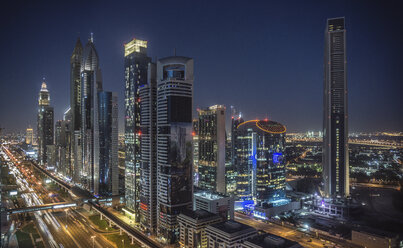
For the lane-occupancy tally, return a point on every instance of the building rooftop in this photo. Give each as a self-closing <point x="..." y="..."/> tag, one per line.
<point x="231" y="227"/>
<point x="264" y="125"/>
<point x="208" y="195"/>
<point x="198" y="214"/>
<point x="268" y="240"/>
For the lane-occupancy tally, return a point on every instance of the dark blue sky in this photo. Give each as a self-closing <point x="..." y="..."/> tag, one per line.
<point x="263" y="57"/>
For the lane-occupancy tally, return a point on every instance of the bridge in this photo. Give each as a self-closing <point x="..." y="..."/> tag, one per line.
<point x="50" y="206"/>
<point x="123" y="226"/>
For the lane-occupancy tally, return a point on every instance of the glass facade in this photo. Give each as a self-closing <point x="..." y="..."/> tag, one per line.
<point x="259" y="158"/>
<point x="335" y="117"/>
<point x="136" y="66"/>
<point x="174" y="143"/>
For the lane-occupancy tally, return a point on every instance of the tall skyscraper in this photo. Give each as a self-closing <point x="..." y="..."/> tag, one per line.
<point x="211" y="163"/>
<point x="259" y="151"/>
<point x="174" y="142"/>
<point x="62" y="142"/>
<point x="45" y="123"/>
<point x="91" y="85"/>
<point x="148" y="140"/>
<point x="195" y="143"/>
<point x="29" y="136"/>
<point x="75" y="112"/>
<point x="136" y="63"/>
<point x="335" y="117"/>
<point x="108" y="182"/>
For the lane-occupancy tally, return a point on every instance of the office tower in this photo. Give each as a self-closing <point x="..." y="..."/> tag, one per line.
<point x="75" y="111"/>
<point x="230" y="169"/>
<point x="259" y="147"/>
<point x="29" y="137"/>
<point x="211" y="134"/>
<point x="45" y="123"/>
<point x="195" y="144"/>
<point x="62" y="140"/>
<point x="108" y="183"/>
<point x="68" y="145"/>
<point x="193" y="227"/>
<point x="136" y="62"/>
<point x="91" y="85"/>
<point x="148" y="135"/>
<point x="174" y="142"/>
<point x="335" y="117"/>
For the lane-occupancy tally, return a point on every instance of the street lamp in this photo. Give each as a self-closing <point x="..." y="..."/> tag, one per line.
<point x="93" y="241"/>
<point x="123" y="241"/>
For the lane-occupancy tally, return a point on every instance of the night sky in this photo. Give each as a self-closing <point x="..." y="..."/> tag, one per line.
<point x="263" y="57"/>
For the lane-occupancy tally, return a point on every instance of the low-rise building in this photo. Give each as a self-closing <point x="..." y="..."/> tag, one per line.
<point x="228" y="234"/>
<point x="214" y="203"/>
<point x="268" y="240"/>
<point x="192" y="227"/>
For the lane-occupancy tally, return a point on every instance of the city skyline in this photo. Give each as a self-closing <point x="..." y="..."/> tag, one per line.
<point x="374" y="82"/>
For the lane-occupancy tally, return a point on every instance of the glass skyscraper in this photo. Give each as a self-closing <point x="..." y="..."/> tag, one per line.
<point x="91" y="84"/>
<point x="108" y="143"/>
<point x="335" y="116"/>
<point x="45" y="124"/>
<point x="259" y="147"/>
<point x="211" y="149"/>
<point x="174" y="142"/>
<point x="136" y="64"/>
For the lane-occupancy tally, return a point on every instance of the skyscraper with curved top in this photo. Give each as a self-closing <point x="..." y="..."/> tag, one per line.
<point x="174" y="142"/>
<point x="45" y="123"/>
<point x="91" y="85"/>
<point x="259" y="147"/>
<point x="335" y="117"/>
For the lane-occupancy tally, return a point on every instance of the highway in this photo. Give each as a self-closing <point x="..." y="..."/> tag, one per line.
<point x="285" y="232"/>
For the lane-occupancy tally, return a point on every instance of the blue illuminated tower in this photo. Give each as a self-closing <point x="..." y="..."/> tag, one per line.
<point x="259" y="147"/>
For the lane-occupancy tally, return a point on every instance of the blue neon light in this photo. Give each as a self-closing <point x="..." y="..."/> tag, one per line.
<point x="277" y="157"/>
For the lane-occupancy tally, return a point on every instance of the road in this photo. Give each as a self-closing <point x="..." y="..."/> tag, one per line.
<point x="285" y="232"/>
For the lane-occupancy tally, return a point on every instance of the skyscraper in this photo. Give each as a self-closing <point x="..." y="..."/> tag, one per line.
<point x="259" y="150"/>
<point x="29" y="136"/>
<point x="45" y="123"/>
<point x="75" y="112"/>
<point x="136" y="63"/>
<point x="335" y="117"/>
<point x="108" y="182"/>
<point x="211" y="163"/>
<point x="148" y="135"/>
<point x="91" y="85"/>
<point x="62" y="148"/>
<point x="174" y="142"/>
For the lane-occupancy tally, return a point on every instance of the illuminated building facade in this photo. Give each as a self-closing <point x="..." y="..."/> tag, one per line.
<point x="91" y="85"/>
<point x="174" y="142"/>
<point x="29" y="136"/>
<point x="335" y="117"/>
<point x="148" y="134"/>
<point x="108" y="144"/>
<point x="45" y="124"/>
<point x="136" y="64"/>
<point x="75" y="111"/>
<point x="62" y="147"/>
<point x="195" y="143"/>
<point x="259" y="147"/>
<point x="211" y="149"/>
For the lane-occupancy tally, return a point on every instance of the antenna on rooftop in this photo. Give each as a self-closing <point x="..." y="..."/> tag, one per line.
<point x="92" y="37"/>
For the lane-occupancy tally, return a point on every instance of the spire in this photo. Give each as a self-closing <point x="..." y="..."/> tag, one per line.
<point x="92" y="37"/>
<point x="77" y="52"/>
<point x="44" y="86"/>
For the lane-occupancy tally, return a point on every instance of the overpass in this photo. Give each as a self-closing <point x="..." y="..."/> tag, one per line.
<point x="50" y="206"/>
<point x="58" y="181"/>
<point x="123" y="226"/>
